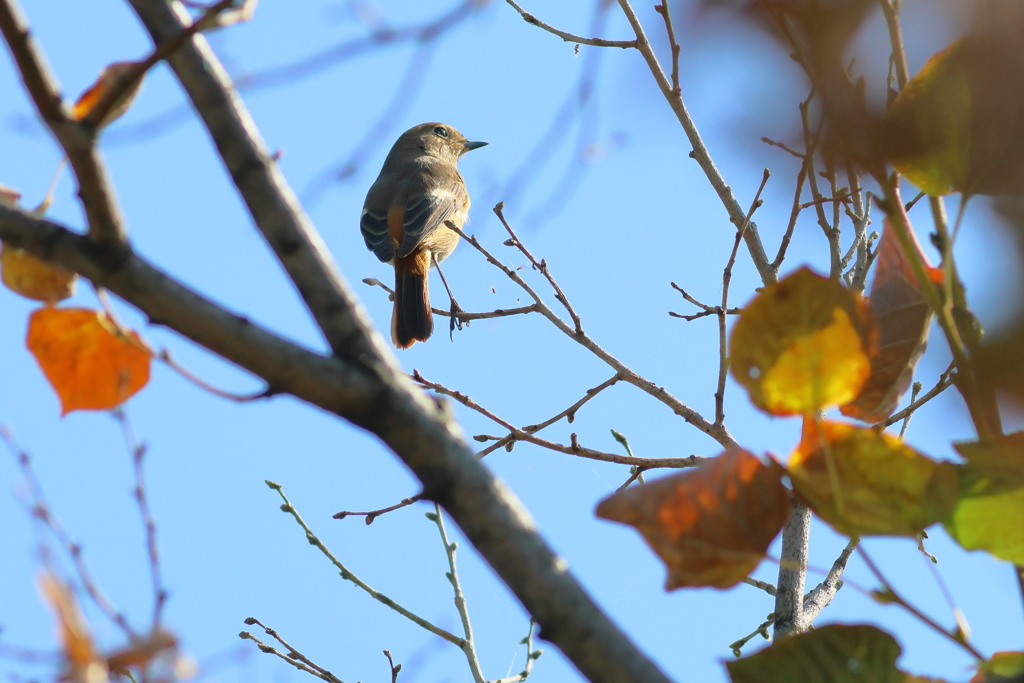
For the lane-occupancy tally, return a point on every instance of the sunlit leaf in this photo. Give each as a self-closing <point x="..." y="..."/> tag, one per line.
<point x="801" y="345"/>
<point x="32" y="278"/>
<point x="831" y="654"/>
<point x="958" y="125"/>
<point x="863" y="482"/>
<point x="1000" y="666"/>
<point x="902" y="319"/>
<point x="991" y="506"/>
<point x="88" y="361"/>
<point x="108" y="79"/>
<point x="711" y="525"/>
<point x="82" y="662"/>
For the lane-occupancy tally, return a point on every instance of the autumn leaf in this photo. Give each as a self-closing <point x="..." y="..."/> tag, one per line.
<point x="27" y="275"/>
<point x="902" y="318"/>
<point x="958" y="125"/>
<point x="1001" y="666"/>
<point x="836" y="653"/>
<point x="712" y="525"/>
<point x="991" y="506"/>
<point x="863" y="482"/>
<point x="32" y="278"/>
<point x="88" y="361"/>
<point x="801" y="345"/>
<point x="83" y="663"/>
<point x="109" y="78"/>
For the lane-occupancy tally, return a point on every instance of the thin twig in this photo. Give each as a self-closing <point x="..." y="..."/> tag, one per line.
<point x="468" y="644"/>
<point x="138" y="453"/>
<point x="293" y="654"/>
<point x="569" y="37"/>
<point x="574" y="449"/>
<point x="891" y="596"/>
<point x="463" y="316"/>
<point x="700" y="151"/>
<point x="347" y="575"/>
<point x="570" y="412"/>
<point x="763" y="585"/>
<point x="663" y="10"/>
<point x="541" y="265"/>
<point x="719" y="434"/>
<point x="41" y="511"/>
<point x="374" y="514"/>
<point x="705" y="309"/>
<point x="300" y="665"/>
<point x="723" y="351"/>
<point x="915" y="391"/>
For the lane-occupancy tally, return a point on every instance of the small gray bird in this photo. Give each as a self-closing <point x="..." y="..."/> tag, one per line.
<point x="418" y="189"/>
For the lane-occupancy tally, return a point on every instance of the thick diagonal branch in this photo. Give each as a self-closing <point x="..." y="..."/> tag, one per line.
<point x="386" y="404"/>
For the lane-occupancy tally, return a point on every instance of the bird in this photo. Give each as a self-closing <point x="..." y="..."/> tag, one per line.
<point x="418" y="190"/>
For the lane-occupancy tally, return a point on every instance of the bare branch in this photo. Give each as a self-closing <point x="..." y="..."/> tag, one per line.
<point x="573" y="449"/>
<point x="347" y="574"/>
<point x="723" y="351"/>
<point x="463" y="316"/>
<point x="271" y="202"/>
<point x="293" y="657"/>
<point x="789" y="596"/>
<point x="719" y="433"/>
<point x="106" y="222"/>
<point x="822" y="595"/>
<point x="700" y="152"/>
<point x="946" y="380"/>
<point x="569" y="37"/>
<point x="389" y="406"/>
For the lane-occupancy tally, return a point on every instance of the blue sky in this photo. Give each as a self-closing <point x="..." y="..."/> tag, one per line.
<point x="608" y="197"/>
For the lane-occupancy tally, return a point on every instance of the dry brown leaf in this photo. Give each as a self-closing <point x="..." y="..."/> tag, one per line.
<point x="902" y="319"/>
<point x="711" y="526"/>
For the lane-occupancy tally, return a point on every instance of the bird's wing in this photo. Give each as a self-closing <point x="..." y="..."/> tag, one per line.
<point x="425" y="213"/>
<point x="374" y="226"/>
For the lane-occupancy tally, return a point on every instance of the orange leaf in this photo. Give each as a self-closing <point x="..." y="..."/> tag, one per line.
<point x="801" y="345"/>
<point x="863" y="482"/>
<point x="82" y="660"/>
<point x="711" y="526"/>
<point x="902" y="319"/>
<point x="32" y="278"/>
<point x="109" y="77"/>
<point x="87" y="360"/>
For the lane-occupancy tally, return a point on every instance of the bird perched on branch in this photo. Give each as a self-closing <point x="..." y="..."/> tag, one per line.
<point x="403" y="221"/>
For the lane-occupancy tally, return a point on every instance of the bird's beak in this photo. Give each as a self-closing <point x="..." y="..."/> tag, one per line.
<point x="471" y="145"/>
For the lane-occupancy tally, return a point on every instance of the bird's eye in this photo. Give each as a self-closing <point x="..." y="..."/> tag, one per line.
<point x="441" y="131"/>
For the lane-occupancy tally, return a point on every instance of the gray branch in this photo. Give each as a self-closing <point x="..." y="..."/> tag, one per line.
<point x="360" y="384"/>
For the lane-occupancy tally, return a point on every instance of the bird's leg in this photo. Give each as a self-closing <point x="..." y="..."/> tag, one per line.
<point x="454" y="320"/>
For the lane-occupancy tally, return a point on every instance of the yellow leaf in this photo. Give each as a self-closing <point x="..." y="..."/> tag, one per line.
<point x="90" y="364"/>
<point x="32" y="278"/>
<point x="801" y="345"/>
<point x="863" y="482"/>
